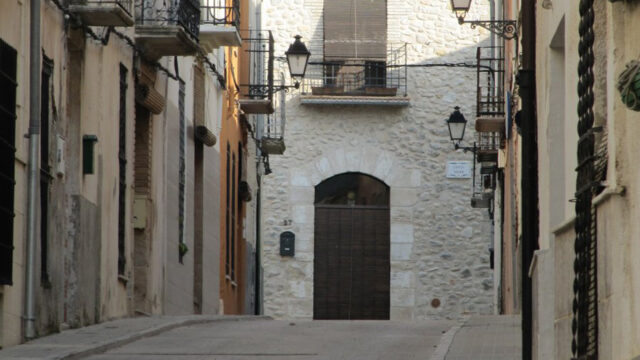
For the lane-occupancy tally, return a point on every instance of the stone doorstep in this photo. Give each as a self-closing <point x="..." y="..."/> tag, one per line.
<point x="90" y="340"/>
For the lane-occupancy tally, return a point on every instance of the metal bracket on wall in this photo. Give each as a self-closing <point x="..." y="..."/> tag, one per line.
<point x="507" y="29"/>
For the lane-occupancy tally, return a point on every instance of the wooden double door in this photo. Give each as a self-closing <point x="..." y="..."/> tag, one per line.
<point x="352" y="262"/>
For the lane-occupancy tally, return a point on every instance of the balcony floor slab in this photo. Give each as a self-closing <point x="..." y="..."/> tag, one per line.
<point x="165" y="40"/>
<point x="394" y="101"/>
<point x="215" y="36"/>
<point x="102" y="15"/>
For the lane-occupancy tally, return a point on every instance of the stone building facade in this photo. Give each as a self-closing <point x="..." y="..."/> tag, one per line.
<point x="133" y="227"/>
<point x="439" y="246"/>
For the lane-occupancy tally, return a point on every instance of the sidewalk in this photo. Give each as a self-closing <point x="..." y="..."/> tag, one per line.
<point x="79" y="343"/>
<point x="483" y="338"/>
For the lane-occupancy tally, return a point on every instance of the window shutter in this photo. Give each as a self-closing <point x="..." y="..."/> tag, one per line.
<point x="198" y="96"/>
<point x="8" y="65"/>
<point x="355" y="29"/>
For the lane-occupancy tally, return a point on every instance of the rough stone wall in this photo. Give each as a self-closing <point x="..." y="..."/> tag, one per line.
<point x="439" y="244"/>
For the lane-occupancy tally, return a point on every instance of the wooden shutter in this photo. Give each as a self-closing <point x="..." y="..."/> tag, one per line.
<point x="8" y="65"/>
<point x="198" y="95"/>
<point x="355" y="29"/>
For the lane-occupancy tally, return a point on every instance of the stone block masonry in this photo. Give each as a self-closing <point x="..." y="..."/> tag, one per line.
<point x="438" y="243"/>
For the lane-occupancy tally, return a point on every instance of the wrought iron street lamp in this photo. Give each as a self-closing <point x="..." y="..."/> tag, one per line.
<point x="298" y="58"/>
<point x="457" y="124"/>
<point x="507" y="29"/>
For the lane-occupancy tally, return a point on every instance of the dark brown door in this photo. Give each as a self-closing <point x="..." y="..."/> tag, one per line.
<point x="352" y="262"/>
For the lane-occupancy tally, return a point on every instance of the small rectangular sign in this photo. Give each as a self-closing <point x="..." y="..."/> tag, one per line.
<point x="459" y="170"/>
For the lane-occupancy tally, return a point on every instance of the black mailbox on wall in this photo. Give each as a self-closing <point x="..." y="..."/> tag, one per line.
<point x="287" y="244"/>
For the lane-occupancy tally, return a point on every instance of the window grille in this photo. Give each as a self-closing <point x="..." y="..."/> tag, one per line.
<point x="45" y="168"/>
<point x="8" y="65"/>
<point x="234" y="224"/>
<point x="182" y="164"/>
<point x="122" y="176"/>
<point x="227" y="262"/>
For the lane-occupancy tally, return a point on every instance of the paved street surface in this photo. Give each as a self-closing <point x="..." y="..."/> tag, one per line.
<point x="487" y="338"/>
<point x="255" y="338"/>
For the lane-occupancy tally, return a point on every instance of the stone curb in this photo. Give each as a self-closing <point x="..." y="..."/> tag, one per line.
<point x="445" y="342"/>
<point x="103" y="346"/>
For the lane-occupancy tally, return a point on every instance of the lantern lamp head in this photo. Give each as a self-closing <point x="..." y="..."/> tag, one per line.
<point x="298" y="58"/>
<point x="456" y="124"/>
<point x="460" y="8"/>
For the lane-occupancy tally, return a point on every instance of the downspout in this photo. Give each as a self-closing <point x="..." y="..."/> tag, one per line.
<point x="34" y="139"/>
<point x="530" y="212"/>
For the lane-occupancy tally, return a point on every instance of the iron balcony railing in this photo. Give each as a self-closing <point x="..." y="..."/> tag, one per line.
<point x="185" y="13"/>
<point x="359" y="77"/>
<point x="124" y="4"/>
<point x="274" y="123"/>
<point x="490" y="77"/>
<point x="217" y="12"/>
<point x="259" y="45"/>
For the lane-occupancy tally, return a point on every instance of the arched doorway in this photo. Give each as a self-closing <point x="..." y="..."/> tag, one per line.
<point x="351" y="248"/>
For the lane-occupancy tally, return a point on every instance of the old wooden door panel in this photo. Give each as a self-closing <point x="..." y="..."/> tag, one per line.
<point x="352" y="263"/>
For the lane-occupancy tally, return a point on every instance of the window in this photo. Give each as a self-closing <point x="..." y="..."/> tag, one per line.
<point x="234" y="201"/>
<point x="181" y="165"/>
<point x="8" y="64"/>
<point x="45" y="168"/>
<point x="228" y="226"/>
<point x="122" y="176"/>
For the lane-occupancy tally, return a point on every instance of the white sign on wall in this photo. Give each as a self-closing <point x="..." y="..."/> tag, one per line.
<point x="459" y="169"/>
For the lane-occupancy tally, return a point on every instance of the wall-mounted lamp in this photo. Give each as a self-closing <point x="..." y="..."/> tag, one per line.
<point x="457" y="124"/>
<point x="88" y="146"/>
<point x="507" y="29"/>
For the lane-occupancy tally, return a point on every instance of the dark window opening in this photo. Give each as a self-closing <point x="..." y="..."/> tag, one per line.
<point x="227" y="262"/>
<point x="8" y="84"/>
<point x="352" y="189"/>
<point x="181" y="170"/>
<point x="45" y="168"/>
<point x="122" y="176"/>
<point x="234" y="224"/>
<point x="375" y="73"/>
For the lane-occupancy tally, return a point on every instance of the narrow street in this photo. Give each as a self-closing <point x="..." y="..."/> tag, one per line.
<point x="247" y="338"/>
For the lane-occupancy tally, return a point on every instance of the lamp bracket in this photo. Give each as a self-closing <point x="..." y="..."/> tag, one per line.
<point x="472" y="149"/>
<point x="506" y="29"/>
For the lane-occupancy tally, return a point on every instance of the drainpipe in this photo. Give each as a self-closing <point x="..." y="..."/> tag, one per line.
<point x="34" y="138"/>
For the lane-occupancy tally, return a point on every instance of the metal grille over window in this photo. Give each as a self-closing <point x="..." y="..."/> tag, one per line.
<point x="585" y="312"/>
<point x="45" y="168"/>
<point x="8" y="84"/>
<point x="122" y="160"/>
<point x="228" y="226"/>
<point x="181" y="165"/>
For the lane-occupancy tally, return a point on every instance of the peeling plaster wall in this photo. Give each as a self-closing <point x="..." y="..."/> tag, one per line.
<point x="439" y="244"/>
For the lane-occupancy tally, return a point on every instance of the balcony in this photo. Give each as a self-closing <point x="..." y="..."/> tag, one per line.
<point x="257" y="96"/>
<point x="168" y="27"/>
<point x="103" y="12"/>
<point x="381" y="82"/>
<point x="219" y="24"/>
<point x="490" y="95"/>
<point x="272" y="139"/>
